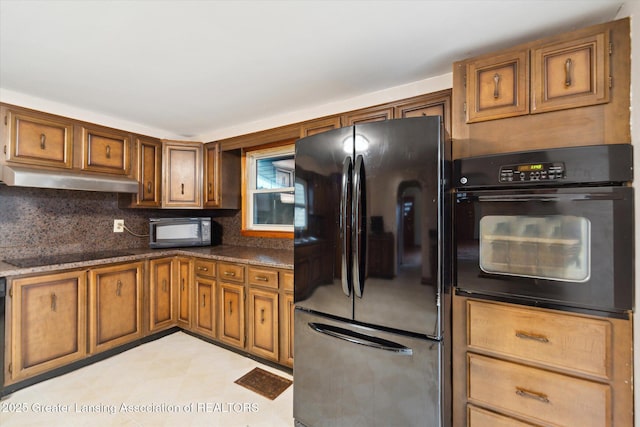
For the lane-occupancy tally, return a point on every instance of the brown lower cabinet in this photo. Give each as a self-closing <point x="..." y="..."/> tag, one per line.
<point x="162" y="294"/>
<point x="48" y="327"/>
<point x="183" y="282"/>
<point x="115" y="305"/>
<point x="521" y="366"/>
<point x="231" y="314"/>
<point x="205" y="298"/>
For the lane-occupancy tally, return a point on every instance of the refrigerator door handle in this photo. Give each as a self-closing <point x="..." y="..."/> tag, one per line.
<point x="359" y="228"/>
<point x="361" y="339"/>
<point x="345" y="226"/>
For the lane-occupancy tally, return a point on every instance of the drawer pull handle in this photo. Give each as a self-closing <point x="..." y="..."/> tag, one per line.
<point x="541" y="397"/>
<point x="181" y="188"/>
<point x="262" y="315"/>
<point x="230" y="273"/>
<point x="210" y="189"/>
<point x="164" y="285"/>
<point x="108" y="151"/>
<point x="230" y="308"/>
<point x="183" y="284"/>
<point x="119" y="288"/>
<point x="54" y="301"/>
<point x="496" y="88"/>
<point x="567" y="72"/>
<point x="203" y="269"/>
<point x="149" y="187"/>
<point x="529" y="336"/>
<point x="43" y="141"/>
<point x="204" y="300"/>
<point x="262" y="278"/>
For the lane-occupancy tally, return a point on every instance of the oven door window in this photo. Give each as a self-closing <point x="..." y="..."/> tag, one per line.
<point x="555" y="247"/>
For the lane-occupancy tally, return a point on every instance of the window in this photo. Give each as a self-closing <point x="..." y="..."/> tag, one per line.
<point x="269" y="191"/>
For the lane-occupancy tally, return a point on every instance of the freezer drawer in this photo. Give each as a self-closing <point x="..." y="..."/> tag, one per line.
<point x="346" y="375"/>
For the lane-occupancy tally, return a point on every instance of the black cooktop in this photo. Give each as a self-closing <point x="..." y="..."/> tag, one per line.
<point x="63" y="258"/>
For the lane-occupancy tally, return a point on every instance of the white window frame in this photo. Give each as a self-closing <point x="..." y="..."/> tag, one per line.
<point x="251" y="159"/>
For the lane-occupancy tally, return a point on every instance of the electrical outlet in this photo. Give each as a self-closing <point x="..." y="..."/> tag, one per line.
<point x="118" y="225"/>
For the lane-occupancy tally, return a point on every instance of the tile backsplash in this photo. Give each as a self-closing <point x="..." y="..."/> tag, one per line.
<point x="35" y="222"/>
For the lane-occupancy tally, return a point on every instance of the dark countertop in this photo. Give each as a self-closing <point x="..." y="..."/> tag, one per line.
<point x="275" y="258"/>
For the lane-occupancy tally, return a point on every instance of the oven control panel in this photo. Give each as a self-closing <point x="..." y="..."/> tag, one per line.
<point x="528" y="172"/>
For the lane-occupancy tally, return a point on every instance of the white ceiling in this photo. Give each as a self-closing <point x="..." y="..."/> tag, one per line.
<point x="191" y="67"/>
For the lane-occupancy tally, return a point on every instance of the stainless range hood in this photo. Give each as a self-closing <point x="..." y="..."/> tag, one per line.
<point x="20" y="176"/>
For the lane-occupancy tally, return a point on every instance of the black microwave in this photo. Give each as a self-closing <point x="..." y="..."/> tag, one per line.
<point x="178" y="232"/>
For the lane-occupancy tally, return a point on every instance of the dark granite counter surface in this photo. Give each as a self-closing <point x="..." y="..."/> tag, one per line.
<point x="275" y="258"/>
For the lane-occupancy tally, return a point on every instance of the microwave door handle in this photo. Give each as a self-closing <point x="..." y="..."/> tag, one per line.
<point x="345" y="225"/>
<point x="359" y="227"/>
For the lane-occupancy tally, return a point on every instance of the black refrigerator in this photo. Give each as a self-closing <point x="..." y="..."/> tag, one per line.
<point x="372" y="257"/>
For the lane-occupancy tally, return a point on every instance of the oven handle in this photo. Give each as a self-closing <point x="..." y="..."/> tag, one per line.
<point x="543" y="197"/>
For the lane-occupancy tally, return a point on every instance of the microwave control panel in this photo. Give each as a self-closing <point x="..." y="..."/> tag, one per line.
<point x="528" y="172"/>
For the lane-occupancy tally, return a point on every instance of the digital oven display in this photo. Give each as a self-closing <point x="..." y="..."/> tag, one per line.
<point x="528" y="172"/>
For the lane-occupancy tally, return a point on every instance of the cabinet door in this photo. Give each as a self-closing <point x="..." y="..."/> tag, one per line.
<point x="318" y="126"/>
<point x="149" y="168"/>
<point x="39" y="140"/>
<point x="184" y="293"/>
<point x="231" y="314"/>
<point x="205" y="290"/>
<point x="212" y="175"/>
<point x="498" y="86"/>
<point x="571" y="74"/>
<point x="367" y="115"/>
<point x="48" y="322"/>
<point x="182" y="175"/>
<point x="263" y="323"/>
<point x="286" y="329"/>
<point x="115" y="300"/>
<point x="162" y="307"/>
<point x="436" y="104"/>
<point x="106" y="151"/>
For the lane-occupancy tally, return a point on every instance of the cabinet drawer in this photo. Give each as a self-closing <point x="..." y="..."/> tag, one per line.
<point x="537" y="395"/>
<point x="286" y="278"/>
<point x="559" y="340"/>
<point x="263" y="277"/>
<point x="232" y="272"/>
<point x="205" y="267"/>
<point x="480" y="418"/>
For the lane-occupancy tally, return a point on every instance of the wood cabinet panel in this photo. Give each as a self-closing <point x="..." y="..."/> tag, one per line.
<point x="571" y="74"/>
<point x="263" y="323"/>
<point x="232" y="272"/>
<point x="538" y="395"/>
<point x="106" y="151"/>
<point x="115" y="305"/>
<point x="162" y="304"/>
<point x="38" y="139"/>
<point x="149" y="172"/>
<point x="264" y="277"/>
<point x="48" y="322"/>
<point x="314" y="127"/>
<point x="212" y="174"/>
<point x="482" y="418"/>
<point x="205" y="267"/>
<point x="231" y="314"/>
<point x="286" y="279"/>
<point x="556" y="340"/>
<point x="183" y="283"/>
<point x="182" y="175"/>
<point x="367" y="115"/>
<point x="205" y="303"/>
<point x="286" y="329"/>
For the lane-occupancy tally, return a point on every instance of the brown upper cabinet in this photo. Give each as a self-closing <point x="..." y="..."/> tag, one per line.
<point x="182" y="175"/>
<point x="564" y="90"/>
<point x="221" y="177"/>
<point x="565" y="72"/>
<point x="106" y="151"/>
<point x="149" y="172"/>
<point x="38" y="139"/>
<point x="314" y="127"/>
<point x="368" y="115"/>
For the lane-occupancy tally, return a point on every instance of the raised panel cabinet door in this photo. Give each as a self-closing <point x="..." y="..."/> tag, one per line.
<point x="318" y="126"/>
<point x="205" y="303"/>
<point x="286" y="329"/>
<point x="149" y="170"/>
<point x="48" y="322"/>
<point x="231" y="314"/>
<point x="182" y="175"/>
<point x="368" y="115"/>
<point x="435" y="104"/>
<point x="212" y="175"/>
<point x="162" y="307"/>
<point x="183" y="282"/>
<point x="106" y="151"/>
<point x="571" y="74"/>
<point x="498" y="86"/>
<point x="39" y="140"/>
<point x="263" y="323"/>
<point x="115" y="301"/>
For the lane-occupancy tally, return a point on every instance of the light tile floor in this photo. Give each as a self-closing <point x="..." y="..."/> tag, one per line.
<point x="177" y="380"/>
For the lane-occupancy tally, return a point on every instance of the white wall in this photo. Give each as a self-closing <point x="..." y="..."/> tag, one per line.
<point x="632" y="9"/>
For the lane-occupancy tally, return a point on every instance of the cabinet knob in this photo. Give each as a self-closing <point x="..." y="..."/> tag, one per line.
<point x="108" y="151"/>
<point x="43" y="141"/>
<point x="230" y="307"/>
<point x="181" y="188"/>
<point x="149" y="187"/>
<point x="54" y="301"/>
<point x="119" y="288"/>
<point x="496" y="86"/>
<point x="262" y="315"/>
<point x="204" y="300"/>
<point x="567" y="72"/>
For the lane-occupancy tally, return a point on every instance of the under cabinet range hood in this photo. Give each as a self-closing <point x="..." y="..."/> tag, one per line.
<point x="20" y="176"/>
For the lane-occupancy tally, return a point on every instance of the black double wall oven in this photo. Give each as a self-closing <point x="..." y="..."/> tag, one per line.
<point x="551" y="228"/>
